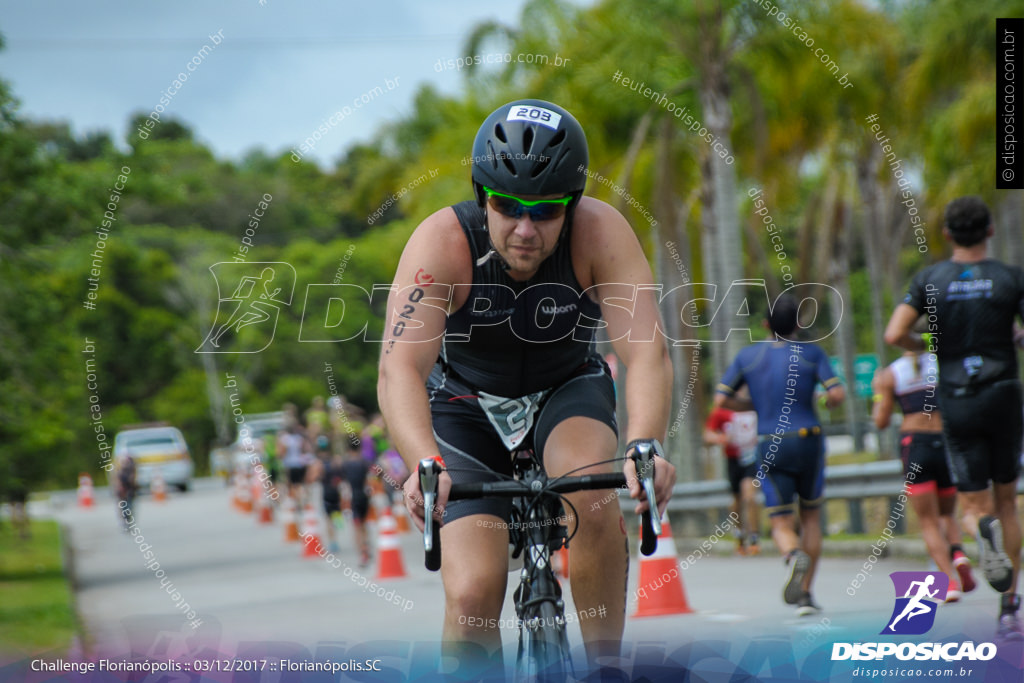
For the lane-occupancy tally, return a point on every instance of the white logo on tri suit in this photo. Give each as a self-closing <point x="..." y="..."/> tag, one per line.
<point x="556" y="310"/>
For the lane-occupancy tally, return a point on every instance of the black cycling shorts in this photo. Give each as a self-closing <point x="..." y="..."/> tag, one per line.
<point x="738" y="471"/>
<point x="925" y="466"/>
<point x="983" y="430"/>
<point x="360" y="507"/>
<point x="332" y="504"/>
<point x="790" y="470"/>
<point x="472" y="449"/>
<point x="297" y="475"/>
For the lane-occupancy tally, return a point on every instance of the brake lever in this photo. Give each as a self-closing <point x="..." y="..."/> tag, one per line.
<point x="644" y="460"/>
<point x="429" y="473"/>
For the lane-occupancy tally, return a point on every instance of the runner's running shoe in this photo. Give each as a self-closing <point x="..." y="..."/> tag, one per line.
<point x="1009" y="623"/>
<point x="799" y="564"/>
<point x="963" y="567"/>
<point x="994" y="562"/>
<point x="753" y="548"/>
<point x="1010" y="627"/>
<point x="805" y="607"/>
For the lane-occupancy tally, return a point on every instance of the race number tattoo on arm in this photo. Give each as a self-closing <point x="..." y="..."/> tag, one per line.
<point x="422" y="279"/>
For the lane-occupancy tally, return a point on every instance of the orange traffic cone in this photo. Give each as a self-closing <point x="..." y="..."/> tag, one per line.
<point x="390" y="565"/>
<point x="255" y="490"/>
<point x="376" y="486"/>
<point x="159" y="488"/>
<point x="310" y="528"/>
<point x="85" y="497"/>
<point x="238" y="492"/>
<point x="266" y="512"/>
<point x="398" y="511"/>
<point x="244" y="494"/>
<point x="291" y="528"/>
<point x="561" y="561"/>
<point x="660" y="589"/>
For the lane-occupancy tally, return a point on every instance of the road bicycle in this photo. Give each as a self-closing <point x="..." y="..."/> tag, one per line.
<point x="536" y="532"/>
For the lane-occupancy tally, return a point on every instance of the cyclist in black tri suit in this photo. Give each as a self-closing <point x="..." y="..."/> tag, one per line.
<point x="489" y="345"/>
<point x="970" y="302"/>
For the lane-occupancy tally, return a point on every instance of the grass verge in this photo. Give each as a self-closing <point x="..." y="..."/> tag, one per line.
<point x="36" y="611"/>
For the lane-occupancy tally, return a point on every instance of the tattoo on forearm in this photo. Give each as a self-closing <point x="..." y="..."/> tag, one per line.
<point x="425" y="280"/>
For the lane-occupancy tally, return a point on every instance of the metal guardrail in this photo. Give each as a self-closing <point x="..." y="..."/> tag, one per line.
<point x="852" y="483"/>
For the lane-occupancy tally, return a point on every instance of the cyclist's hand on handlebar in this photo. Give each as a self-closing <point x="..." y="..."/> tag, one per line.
<point x="664" y="481"/>
<point x="413" y="497"/>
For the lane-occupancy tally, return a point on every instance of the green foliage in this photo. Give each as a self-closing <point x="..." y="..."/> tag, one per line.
<point x="925" y="67"/>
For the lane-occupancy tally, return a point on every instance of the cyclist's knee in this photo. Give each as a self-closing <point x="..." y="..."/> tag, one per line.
<point x="474" y="596"/>
<point x="602" y="504"/>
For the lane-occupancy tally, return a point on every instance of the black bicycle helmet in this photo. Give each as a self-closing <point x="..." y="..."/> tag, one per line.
<point x="530" y="147"/>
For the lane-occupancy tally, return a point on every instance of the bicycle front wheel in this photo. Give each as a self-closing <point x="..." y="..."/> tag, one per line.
<point x="543" y="644"/>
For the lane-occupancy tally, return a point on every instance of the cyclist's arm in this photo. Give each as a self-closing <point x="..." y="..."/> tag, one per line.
<point x="619" y="268"/>
<point x="413" y="329"/>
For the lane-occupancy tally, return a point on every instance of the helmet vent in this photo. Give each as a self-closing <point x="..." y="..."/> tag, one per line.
<point x="561" y="159"/>
<point x="492" y="155"/>
<point x="540" y="166"/>
<point x="509" y="165"/>
<point x="499" y="132"/>
<point x="527" y="139"/>
<point x="557" y="138"/>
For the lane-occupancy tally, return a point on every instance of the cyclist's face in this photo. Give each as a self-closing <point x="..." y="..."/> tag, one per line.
<point x="523" y="242"/>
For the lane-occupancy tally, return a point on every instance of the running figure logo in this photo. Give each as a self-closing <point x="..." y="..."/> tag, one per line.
<point x="258" y="290"/>
<point x="914" y="612"/>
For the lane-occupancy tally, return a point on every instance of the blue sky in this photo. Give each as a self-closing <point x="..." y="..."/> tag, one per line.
<point x="282" y="68"/>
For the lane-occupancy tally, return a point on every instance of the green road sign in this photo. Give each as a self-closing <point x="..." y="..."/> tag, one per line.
<point x="864" y="367"/>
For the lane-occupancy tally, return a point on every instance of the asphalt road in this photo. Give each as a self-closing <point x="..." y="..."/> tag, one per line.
<point x="254" y="593"/>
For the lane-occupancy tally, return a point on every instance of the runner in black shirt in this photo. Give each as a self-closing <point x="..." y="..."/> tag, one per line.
<point x="970" y="302"/>
<point x="354" y="471"/>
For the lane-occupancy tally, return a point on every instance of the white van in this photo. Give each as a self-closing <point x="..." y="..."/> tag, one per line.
<point x="155" y="448"/>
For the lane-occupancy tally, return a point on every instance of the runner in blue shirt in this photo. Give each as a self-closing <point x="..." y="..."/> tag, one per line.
<point x="781" y="376"/>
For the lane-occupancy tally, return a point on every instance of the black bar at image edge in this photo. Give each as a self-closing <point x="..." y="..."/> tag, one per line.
<point x="1009" y="152"/>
